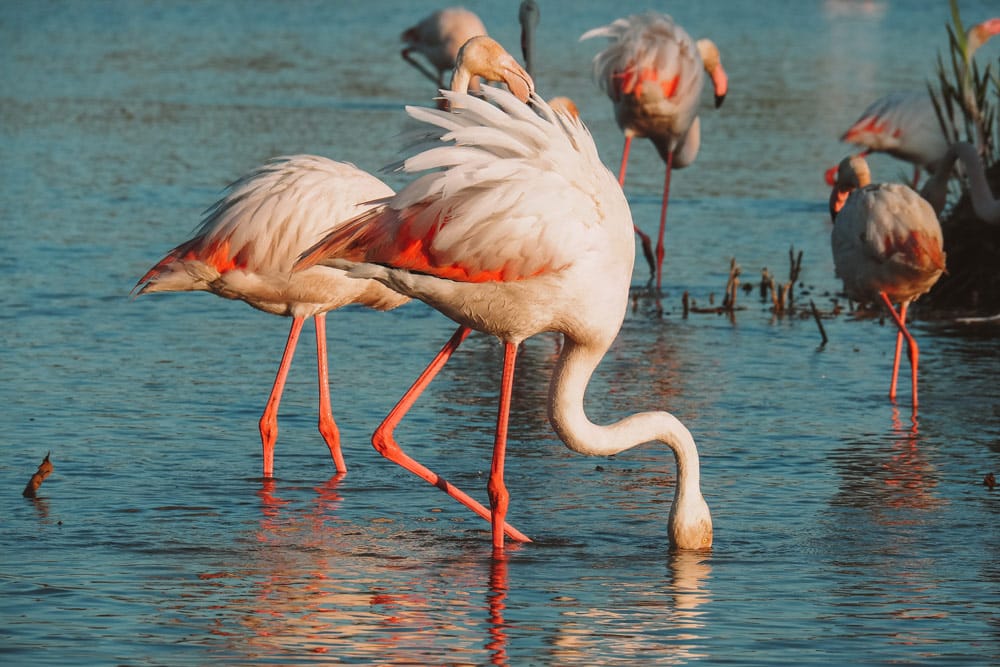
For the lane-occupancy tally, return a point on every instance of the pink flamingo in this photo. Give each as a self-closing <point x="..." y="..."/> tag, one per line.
<point x="653" y="73"/>
<point x="513" y="228"/>
<point x="887" y="246"/>
<point x="438" y="37"/>
<point x="905" y="124"/>
<point x="246" y="246"/>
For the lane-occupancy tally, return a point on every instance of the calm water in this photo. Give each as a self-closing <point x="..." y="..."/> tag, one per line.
<point x="846" y="531"/>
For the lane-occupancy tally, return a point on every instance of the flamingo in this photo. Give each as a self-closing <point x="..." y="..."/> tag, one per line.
<point x="439" y="37"/>
<point x="246" y="246"/>
<point x="652" y="72"/>
<point x="905" y="125"/>
<point x="887" y="246"/>
<point x="935" y="190"/>
<point x="514" y="227"/>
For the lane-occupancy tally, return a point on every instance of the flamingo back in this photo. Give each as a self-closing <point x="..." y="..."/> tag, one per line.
<point x="887" y="238"/>
<point x="904" y="125"/>
<point x="248" y="241"/>
<point x="505" y="194"/>
<point x="440" y="35"/>
<point x="652" y="72"/>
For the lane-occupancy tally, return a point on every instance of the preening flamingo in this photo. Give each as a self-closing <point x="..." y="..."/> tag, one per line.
<point x="653" y="73"/>
<point x="887" y="246"/>
<point x="905" y="124"/>
<point x="935" y="190"/>
<point x="484" y="57"/>
<point x="246" y="246"/>
<point x="515" y="227"/>
<point x="438" y="37"/>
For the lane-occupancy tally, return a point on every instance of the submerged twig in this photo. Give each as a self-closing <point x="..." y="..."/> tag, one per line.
<point x="44" y="470"/>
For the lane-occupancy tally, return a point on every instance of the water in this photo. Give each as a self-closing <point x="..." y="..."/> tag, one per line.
<point x="846" y="531"/>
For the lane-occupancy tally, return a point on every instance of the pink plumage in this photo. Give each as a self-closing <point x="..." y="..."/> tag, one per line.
<point x="887" y="246"/>
<point x="514" y="227"/>
<point x="653" y="73"/>
<point x="245" y="249"/>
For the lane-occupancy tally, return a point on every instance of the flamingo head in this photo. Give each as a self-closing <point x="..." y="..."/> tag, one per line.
<point x="712" y="61"/>
<point x="483" y="56"/>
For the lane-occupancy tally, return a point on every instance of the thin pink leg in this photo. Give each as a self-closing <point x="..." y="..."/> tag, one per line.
<point x="912" y="350"/>
<point x="647" y="245"/>
<point x="499" y="496"/>
<point x="269" y="420"/>
<point x="386" y="444"/>
<point x="663" y="220"/>
<point x="327" y="426"/>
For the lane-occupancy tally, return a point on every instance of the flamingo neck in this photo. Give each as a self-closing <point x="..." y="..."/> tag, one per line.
<point x="690" y="521"/>
<point x="986" y="207"/>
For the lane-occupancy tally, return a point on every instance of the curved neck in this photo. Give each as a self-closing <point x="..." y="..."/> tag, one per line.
<point x="572" y="373"/>
<point x="983" y="203"/>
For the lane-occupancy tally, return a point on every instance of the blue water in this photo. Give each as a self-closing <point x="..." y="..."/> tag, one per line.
<point x="846" y="531"/>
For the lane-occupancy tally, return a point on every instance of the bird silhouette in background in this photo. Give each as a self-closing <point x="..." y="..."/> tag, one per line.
<point x="438" y="38"/>
<point x="653" y="72"/>
<point x="887" y="246"/>
<point x="246" y="246"/>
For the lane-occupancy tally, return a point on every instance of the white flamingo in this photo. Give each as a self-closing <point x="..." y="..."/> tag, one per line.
<point x="513" y="228"/>
<point x="653" y="72"/>
<point x="246" y="246"/>
<point x="887" y="247"/>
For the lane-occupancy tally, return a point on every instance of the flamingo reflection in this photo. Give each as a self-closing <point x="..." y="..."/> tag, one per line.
<point x="637" y="613"/>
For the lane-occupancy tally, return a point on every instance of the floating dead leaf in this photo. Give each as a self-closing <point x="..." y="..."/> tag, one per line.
<point x="44" y="470"/>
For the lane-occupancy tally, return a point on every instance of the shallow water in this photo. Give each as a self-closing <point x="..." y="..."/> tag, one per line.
<point x="845" y="529"/>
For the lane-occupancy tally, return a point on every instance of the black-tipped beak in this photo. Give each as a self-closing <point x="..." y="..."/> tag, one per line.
<point x="719" y="99"/>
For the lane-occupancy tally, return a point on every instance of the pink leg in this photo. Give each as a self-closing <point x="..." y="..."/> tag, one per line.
<point x="386" y="445"/>
<point x="663" y="219"/>
<point x="912" y="350"/>
<point x="647" y="245"/>
<point x="499" y="496"/>
<point x="269" y="420"/>
<point x="327" y="427"/>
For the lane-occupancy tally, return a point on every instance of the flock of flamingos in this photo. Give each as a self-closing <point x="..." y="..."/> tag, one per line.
<point x="512" y="225"/>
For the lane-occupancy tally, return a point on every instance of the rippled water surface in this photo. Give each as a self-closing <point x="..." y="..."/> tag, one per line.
<point x="846" y="531"/>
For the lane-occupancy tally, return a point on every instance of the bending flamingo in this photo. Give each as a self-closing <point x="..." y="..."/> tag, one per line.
<point x="246" y="246"/>
<point x="515" y="227"/>
<point x="652" y="72"/>
<point x="438" y="37"/>
<point x="905" y="124"/>
<point x="887" y="247"/>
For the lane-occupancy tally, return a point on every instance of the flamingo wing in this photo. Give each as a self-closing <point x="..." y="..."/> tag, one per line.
<point x="266" y="219"/>
<point x="505" y="197"/>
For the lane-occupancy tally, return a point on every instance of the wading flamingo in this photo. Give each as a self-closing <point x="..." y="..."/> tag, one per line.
<point x="887" y="247"/>
<point x="653" y="73"/>
<point x="935" y="190"/>
<point x="905" y="124"/>
<point x="513" y="228"/>
<point x="246" y="246"/>
<point x="438" y="37"/>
